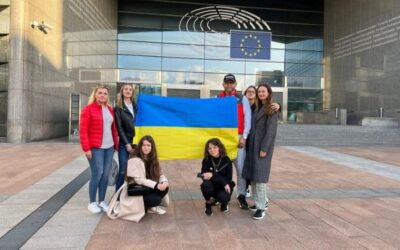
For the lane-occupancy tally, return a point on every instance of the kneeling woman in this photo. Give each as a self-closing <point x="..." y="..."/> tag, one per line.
<point x="216" y="172"/>
<point x="143" y="169"/>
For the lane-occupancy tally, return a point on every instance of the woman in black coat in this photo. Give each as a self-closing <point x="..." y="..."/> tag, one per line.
<point x="261" y="143"/>
<point x="125" y="115"/>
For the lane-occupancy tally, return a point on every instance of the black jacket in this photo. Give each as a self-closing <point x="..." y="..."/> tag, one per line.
<point x="221" y="169"/>
<point x="125" y="123"/>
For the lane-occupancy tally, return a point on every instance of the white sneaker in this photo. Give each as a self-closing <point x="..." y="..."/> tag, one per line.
<point x="93" y="208"/>
<point x="156" y="210"/>
<point x="104" y="207"/>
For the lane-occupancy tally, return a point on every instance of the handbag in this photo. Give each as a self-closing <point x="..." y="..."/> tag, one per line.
<point x="112" y="175"/>
<point x="135" y="189"/>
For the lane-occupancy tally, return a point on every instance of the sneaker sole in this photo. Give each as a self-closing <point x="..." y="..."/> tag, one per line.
<point x="208" y="214"/>
<point x="99" y="212"/>
<point x="259" y="218"/>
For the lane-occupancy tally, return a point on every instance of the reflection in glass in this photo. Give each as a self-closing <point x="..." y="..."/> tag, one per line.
<point x="305" y="100"/>
<point x="139" y="48"/>
<point x="138" y="34"/>
<point x="276" y="80"/>
<point x="181" y="50"/>
<point x="299" y="69"/>
<point x="142" y="76"/>
<point x="277" y="43"/>
<point x="263" y="67"/>
<point x="204" y="58"/>
<point x="212" y="52"/>
<point x="149" y="89"/>
<point x="183" y="37"/>
<point x="308" y="82"/>
<point x="180" y="64"/>
<point x="188" y="93"/>
<point x="219" y="66"/>
<point x="304" y="44"/>
<point x="218" y="39"/>
<point x="182" y="78"/>
<point x="303" y="56"/>
<point x="139" y="62"/>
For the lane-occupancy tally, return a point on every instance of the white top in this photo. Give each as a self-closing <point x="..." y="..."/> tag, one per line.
<point x="108" y="119"/>
<point x="130" y="108"/>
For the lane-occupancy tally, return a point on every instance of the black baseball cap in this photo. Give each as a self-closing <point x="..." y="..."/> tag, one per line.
<point x="229" y="78"/>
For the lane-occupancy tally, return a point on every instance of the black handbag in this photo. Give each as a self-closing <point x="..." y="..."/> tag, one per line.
<point x="137" y="190"/>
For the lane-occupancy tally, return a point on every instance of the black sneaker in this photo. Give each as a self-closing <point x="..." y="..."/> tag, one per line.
<point x="242" y="202"/>
<point x="259" y="214"/>
<point x="224" y="208"/>
<point x="208" y="210"/>
<point x="253" y="208"/>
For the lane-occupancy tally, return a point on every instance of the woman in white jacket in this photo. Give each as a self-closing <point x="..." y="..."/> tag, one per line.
<point x="143" y="169"/>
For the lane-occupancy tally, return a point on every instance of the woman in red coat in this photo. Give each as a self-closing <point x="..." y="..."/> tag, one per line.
<point x="99" y="139"/>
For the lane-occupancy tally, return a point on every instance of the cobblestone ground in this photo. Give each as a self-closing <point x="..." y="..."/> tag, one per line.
<point x="338" y="190"/>
<point x="315" y="204"/>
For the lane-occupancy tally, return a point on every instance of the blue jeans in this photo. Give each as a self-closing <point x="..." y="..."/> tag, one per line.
<point x="123" y="157"/>
<point x="100" y="166"/>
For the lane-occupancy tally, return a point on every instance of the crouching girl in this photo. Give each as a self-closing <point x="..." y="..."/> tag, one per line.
<point x="143" y="169"/>
<point x="216" y="172"/>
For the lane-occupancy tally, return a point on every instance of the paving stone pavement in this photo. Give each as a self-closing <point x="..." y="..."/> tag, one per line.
<point x="320" y="198"/>
<point x="18" y="206"/>
<point x="383" y="169"/>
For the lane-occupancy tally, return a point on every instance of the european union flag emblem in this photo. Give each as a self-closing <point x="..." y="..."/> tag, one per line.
<point x="250" y="44"/>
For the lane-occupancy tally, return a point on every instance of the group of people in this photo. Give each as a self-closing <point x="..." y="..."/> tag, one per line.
<point x="104" y="130"/>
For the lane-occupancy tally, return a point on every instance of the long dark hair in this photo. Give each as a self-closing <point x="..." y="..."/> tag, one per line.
<point x="152" y="165"/>
<point x="268" y="109"/>
<point x="217" y="142"/>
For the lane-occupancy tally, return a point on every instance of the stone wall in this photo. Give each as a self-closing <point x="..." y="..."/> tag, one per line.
<point x="44" y="68"/>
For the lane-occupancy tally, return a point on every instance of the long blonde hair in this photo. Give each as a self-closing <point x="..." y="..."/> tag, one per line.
<point x="92" y="97"/>
<point x="120" y="96"/>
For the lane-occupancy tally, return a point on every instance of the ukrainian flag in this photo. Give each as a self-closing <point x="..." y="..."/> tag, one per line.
<point x="182" y="126"/>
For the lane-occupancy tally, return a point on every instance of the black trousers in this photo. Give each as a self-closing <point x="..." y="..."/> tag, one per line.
<point x="209" y="189"/>
<point x="154" y="198"/>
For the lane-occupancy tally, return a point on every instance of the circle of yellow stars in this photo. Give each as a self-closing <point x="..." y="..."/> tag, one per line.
<point x="257" y="49"/>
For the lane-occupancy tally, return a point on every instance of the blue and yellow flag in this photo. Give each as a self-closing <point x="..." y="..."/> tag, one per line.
<point x="182" y="126"/>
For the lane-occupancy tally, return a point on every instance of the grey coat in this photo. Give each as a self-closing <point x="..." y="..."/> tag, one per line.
<point x="262" y="137"/>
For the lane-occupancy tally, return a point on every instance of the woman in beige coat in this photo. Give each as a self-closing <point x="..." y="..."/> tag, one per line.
<point x="144" y="169"/>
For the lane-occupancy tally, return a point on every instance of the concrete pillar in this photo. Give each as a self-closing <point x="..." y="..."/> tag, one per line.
<point x="284" y="107"/>
<point x="18" y="130"/>
<point x="164" y="89"/>
<point x="205" y="91"/>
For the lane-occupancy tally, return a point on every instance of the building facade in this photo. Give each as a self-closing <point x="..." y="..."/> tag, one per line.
<point x="320" y="55"/>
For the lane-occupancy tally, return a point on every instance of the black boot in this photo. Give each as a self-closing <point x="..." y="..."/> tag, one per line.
<point x="242" y="202"/>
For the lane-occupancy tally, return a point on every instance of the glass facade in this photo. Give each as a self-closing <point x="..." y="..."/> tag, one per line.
<point x="158" y="44"/>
